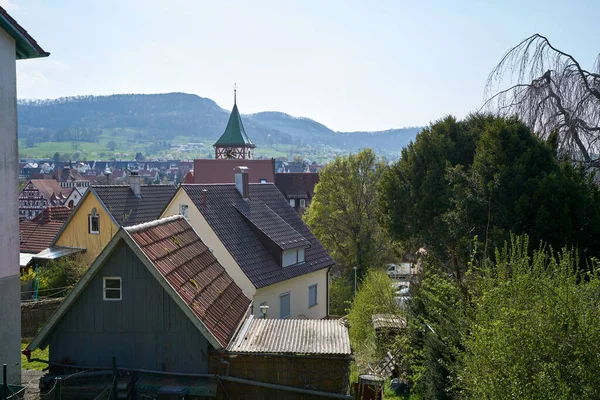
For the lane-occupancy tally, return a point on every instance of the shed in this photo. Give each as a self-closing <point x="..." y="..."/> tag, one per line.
<point x="299" y="353"/>
<point x="156" y="298"/>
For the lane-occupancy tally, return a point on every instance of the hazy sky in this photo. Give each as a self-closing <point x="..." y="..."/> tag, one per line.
<point x="352" y="65"/>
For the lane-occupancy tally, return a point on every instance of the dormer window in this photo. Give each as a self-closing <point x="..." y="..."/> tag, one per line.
<point x="94" y="222"/>
<point x="293" y="256"/>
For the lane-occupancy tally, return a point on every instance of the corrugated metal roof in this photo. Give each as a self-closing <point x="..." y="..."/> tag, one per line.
<point x="292" y="336"/>
<point x="25" y="258"/>
<point x="55" y="252"/>
<point x="388" y="321"/>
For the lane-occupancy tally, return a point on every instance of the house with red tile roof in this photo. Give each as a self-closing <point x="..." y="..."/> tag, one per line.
<point x="156" y="297"/>
<point x="38" y="194"/>
<point x="37" y="234"/>
<point x="262" y="243"/>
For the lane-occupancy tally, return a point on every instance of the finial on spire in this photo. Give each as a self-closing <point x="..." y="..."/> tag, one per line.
<point x="235" y="93"/>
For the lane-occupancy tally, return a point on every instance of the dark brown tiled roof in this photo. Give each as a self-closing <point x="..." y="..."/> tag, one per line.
<point x="246" y="248"/>
<point x="129" y="210"/>
<point x="297" y="185"/>
<point x="37" y="234"/>
<point x="265" y="220"/>
<point x="193" y="271"/>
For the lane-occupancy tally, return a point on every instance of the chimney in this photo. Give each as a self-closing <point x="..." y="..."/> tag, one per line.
<point x="204" y="197"/>
<point x="241" y="181"/>
<point x="135" y="184"/>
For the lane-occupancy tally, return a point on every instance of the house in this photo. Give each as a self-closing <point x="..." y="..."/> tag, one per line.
<point x="297" y="188"/>
<point x="262" y="243"/>
<point x="38" y="194"/>
<point x="37" y="234"/>
<point x="155" y="297"/>
<point x="15" y="44"/>
<point x="105" y="208"/>
<point x="75" y="197"/>
<point x="69" y="177"/>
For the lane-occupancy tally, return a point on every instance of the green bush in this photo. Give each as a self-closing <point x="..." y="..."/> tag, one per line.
<point x="59" y="274"/>
<point x="341" y="294"/>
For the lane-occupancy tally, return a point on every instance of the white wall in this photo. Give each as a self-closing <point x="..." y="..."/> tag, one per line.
<point x="9" y="162"/>
<point x="10" y="299"/>
<point x="298" y="289"/>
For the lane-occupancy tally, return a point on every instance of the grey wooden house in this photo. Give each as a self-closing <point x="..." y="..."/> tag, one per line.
<point x="156" y="298"/>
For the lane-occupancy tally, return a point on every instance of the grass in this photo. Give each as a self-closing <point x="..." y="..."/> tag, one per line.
<point x="41" y="354"/>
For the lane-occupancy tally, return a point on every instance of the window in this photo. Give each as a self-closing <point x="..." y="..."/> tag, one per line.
<point x="111" y="288"/>
<point x="312" y="295"/>
<point x="94" y="222"/>
<point x="263" y="180"/>
<point x="284" y="305"/>
<point x="183" y="210"/>
<point x="293" y="202"/>
<point x="302" y="203"/>
<point x="291" y="257"/>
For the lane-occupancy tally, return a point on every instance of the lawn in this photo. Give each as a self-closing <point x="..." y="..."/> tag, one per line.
<point x="40" y="354"/>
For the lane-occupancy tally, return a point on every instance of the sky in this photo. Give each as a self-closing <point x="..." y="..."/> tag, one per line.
<point x="351" y="65"/>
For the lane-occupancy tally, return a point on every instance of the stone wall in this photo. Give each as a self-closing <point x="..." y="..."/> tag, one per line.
<point x="34" y="315"/>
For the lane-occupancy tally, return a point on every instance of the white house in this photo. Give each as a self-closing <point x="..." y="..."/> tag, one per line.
<point x="15" y="44"/>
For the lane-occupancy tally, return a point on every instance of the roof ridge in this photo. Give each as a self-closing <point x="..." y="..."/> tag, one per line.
<point x="146" y="225"/>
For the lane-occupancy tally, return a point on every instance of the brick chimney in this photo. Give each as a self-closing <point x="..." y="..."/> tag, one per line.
<point x="241" y="181"/>
<point x="135" y="183"/>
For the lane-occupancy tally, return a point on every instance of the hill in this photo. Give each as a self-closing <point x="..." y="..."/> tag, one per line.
<point x="163" y="125"/>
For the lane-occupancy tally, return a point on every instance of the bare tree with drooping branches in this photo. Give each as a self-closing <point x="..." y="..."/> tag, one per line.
<point x="550" y="92"/>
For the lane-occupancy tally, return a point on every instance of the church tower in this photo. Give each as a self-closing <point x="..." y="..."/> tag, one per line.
<point x="234" y="143"/>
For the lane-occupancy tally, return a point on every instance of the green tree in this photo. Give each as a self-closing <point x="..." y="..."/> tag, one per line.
<point x="375" y="296"/>
<point x="56" y="157"/>
<point x="535" y="331"/>
<point x="486" y="177"/>
<point x="111" y="145"/>
<point x="343" y="213"/>
<point x="139" y="157"/>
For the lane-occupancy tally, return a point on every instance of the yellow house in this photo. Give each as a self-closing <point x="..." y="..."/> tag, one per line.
<point x="105" y="208"/>
<point x="262" y="243"/>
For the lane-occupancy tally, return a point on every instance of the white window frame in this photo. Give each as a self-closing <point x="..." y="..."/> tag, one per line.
<point x="302" y="203"/>
<point x="282" y="295"/>
<point x="292" y="202"/>
<point x="93" y="232"/>
<point x="316" y="303"/>
<point x="184" y="210"/>
<point x="104" y="288"/>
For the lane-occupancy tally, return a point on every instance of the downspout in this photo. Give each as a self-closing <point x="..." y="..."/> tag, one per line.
<point x="327" y="295"/>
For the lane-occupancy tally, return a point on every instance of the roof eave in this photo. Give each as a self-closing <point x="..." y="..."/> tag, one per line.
<point x="26" y="47"/>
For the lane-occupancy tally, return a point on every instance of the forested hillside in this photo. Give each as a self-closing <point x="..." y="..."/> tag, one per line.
<point x="156" y="124"/>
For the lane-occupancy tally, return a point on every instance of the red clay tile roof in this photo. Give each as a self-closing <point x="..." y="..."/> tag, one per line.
<point x="48" y="187"/>
<point x="193" y="271"/>
<point x="244" y="245"/>
<point x="37" y="234"/>
<point x="54" y="213"/>
<point x="223" y="171"/>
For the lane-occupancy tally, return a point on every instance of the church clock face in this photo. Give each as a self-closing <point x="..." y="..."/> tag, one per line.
<point x="230" y="154"/>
